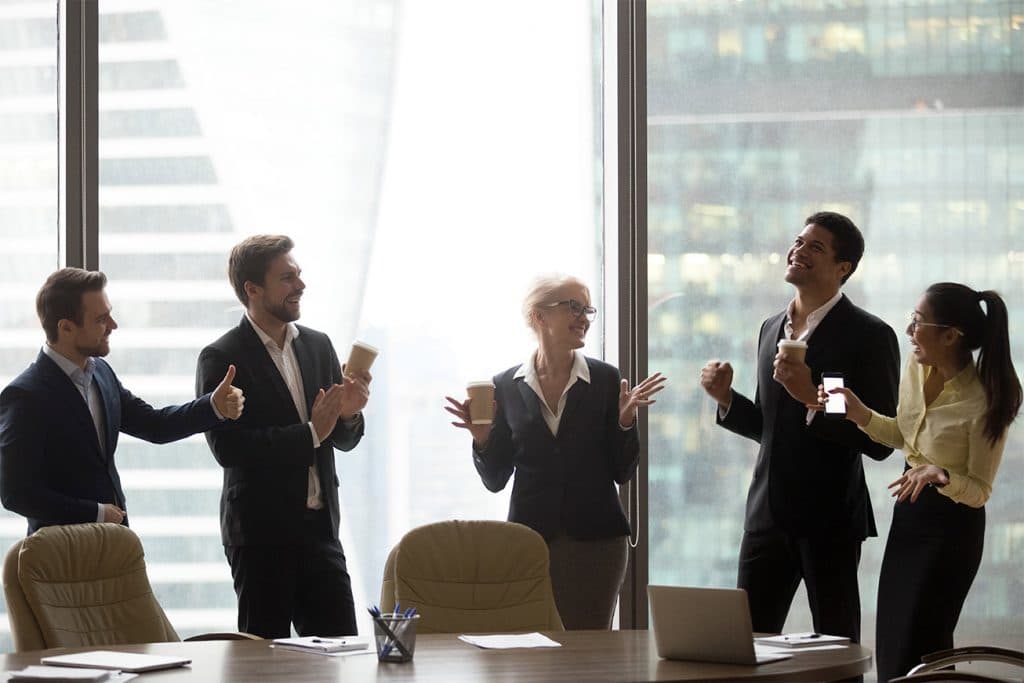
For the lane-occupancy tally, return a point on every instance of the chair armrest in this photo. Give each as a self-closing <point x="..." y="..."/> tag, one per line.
<point x="229" y="635"/>
<point x="974" y="653"/>
<point x="959" y="676"/>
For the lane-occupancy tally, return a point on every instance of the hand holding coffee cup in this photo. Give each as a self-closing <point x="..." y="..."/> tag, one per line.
<point x="791" y="370"/>
<point x="481" y="402"/>
<point x="793" y="349"/>
<point x="360" y="358"/>
<point x="476" y="413"/>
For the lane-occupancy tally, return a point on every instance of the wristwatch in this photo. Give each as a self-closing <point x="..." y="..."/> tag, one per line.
<point x="938" y="485"/>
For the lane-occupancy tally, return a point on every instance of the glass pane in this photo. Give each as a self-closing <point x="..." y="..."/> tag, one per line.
<point x="905" y="116"/>
<point x="28" y="195"/>
<point x="426" y="165"/>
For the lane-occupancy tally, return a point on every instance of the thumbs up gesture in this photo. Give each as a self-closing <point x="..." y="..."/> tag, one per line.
<point x="228" y="399"/>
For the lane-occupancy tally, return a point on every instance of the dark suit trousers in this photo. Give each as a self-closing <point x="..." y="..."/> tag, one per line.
<point x="931" y="557"/>
<point x="305" y="583"/>
<point x="772" y="563"/>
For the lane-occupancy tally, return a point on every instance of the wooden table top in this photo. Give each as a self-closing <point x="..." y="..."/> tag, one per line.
<point x="596" y="656"/>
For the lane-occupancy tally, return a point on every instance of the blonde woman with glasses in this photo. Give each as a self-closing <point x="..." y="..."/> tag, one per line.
<point x="565" y="427"/>
<point x="951" y="421"/>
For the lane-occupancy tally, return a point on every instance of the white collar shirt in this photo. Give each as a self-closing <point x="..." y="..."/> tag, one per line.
<point x="528" y="373"/>
<point x="814" y="318"/>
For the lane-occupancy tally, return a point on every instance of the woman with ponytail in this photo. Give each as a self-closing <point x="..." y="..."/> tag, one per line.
<point x="951" y="421"/>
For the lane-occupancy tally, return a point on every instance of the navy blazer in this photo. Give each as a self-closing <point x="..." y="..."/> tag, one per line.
<point x="808" y="479"/>
<point x="267" y="452"/>
<point x="52" y="469"/>
<point x="564" y="484"/>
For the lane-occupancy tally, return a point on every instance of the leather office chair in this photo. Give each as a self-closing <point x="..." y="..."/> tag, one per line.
<point x="82" y="585"/>
<point x="472" y="577"/>
<point x="932" y="666"/>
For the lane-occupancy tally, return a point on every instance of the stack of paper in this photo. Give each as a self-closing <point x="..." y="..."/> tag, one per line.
<point x="59" y="674"/>
<point x="802" y="640"/>
<point x="507" y="642"/>
<point x="322" y="645"/>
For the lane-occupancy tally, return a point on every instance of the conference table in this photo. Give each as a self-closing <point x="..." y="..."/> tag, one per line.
<point x="596" y="656"/>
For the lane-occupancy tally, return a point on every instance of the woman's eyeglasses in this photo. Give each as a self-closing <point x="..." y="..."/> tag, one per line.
<point x="915" y="323"/>
<point x="577" y="309"/>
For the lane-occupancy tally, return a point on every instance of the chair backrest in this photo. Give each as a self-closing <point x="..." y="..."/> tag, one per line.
<point x="472" y="577"/>
<point x="81" y="585"/>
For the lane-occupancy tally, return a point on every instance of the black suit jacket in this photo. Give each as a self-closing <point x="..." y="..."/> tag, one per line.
<point x="52" y="469"/>
<point x="563" y="484"/>
<point x="809" y="479"/>
<point x="266" y="454"/>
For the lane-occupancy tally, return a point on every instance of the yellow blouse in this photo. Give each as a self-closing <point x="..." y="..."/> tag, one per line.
<point x="948" y="433"/>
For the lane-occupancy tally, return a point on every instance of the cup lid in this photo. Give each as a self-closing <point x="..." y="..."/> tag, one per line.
<point x="792" y="342"/>
<point x="486" y="383"/>
<point x="362" y="344"/>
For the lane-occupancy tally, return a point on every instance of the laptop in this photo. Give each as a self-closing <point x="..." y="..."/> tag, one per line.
<point x="704" y="625"/>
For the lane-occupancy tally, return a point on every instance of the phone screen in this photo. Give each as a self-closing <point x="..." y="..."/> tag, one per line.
<point x="836" y="404"/>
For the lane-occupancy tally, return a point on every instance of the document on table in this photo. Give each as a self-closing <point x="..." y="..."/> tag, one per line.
<point x="510" y="641"/>
<point x="59" y="674"/>
<point x="773" y="650"/>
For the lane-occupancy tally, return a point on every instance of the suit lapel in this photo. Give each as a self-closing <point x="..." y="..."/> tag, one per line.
<point x="829" y="328"/>
<point x="111" y="403"/>
<point x="64" y="392"/>
<point x="770" y="389"/>
<point x="263" y="366"/>
<point x="310" y="380"/>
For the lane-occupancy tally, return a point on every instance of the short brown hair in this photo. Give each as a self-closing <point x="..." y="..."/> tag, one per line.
<point x="60" y="297"/>
<point x="250" y="259"/>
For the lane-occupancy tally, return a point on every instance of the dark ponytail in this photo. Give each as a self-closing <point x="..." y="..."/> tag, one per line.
<point x="960" y="307"/>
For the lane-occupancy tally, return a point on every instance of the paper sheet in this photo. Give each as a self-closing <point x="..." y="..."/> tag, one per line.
<point x="509" y="641"/>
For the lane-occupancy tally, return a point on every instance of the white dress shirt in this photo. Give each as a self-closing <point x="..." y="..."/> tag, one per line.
<point x="288" y="365"/>
<point x="528" y="373"/>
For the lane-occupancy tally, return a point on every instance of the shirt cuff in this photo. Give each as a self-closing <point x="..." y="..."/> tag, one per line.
<point x="316" y="439"/>
<point x="99" y="512"/>
<point x="811" y="412"/>
<point x="215" y="411"/>
<point x="723" y="411"/>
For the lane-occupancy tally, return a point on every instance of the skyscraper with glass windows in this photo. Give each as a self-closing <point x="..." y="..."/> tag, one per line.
<point x="906" y="116"/>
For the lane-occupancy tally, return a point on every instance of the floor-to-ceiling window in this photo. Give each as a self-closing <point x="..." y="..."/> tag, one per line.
<point x="28" y="191"/>
<point x="906" y="116"/>
<point x="427" y="166"/>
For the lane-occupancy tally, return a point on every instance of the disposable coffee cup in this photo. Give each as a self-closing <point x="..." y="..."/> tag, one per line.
<point x="796" y="350"/>
<point x="360" y="358"/>
<point x="481" y="404"/>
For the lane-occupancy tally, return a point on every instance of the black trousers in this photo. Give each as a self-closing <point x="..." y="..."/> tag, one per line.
<point x="772" y="564"/>
<point x="305" y="583"/>
<point x="931" y="558"/>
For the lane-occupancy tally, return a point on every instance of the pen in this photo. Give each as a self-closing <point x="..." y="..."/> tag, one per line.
<point x="326" y="641"/>
<point x="802" y="636"/>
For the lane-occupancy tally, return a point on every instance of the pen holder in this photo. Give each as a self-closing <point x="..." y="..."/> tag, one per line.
<point x="395" y="636"/>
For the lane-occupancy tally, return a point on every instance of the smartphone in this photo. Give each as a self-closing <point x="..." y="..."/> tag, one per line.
<point x="836" y="404"/>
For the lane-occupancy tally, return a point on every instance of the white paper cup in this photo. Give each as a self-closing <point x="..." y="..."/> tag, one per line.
<point x="791" y="348"/>
<point x="360" y="357"/>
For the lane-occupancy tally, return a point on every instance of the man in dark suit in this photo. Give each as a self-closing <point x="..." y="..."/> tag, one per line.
<point x="279" y="508"/>
<point x="61" y="417"/>
<point x="808" y="509"/>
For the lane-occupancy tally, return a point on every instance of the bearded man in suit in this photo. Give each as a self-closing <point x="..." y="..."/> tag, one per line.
<point x="279" y="508"/>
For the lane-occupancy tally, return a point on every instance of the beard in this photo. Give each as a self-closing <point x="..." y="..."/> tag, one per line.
<point x="97" y="350"/>
<point x="281" y="311"/>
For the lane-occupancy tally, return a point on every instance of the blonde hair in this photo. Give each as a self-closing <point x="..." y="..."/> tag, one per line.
<point x="543" y="290"/>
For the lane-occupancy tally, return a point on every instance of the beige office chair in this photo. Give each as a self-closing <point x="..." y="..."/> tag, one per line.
<point x="933" y="666"/>
<point x="82" y="585"/>
<point x="472" y="577"/>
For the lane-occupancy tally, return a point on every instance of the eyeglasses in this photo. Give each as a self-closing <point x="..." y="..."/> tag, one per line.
<point x="915" y="323"/>
<point x="577" y="309"/>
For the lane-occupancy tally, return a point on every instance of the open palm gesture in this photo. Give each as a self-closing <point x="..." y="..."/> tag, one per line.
<point x="630" y="400"/>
